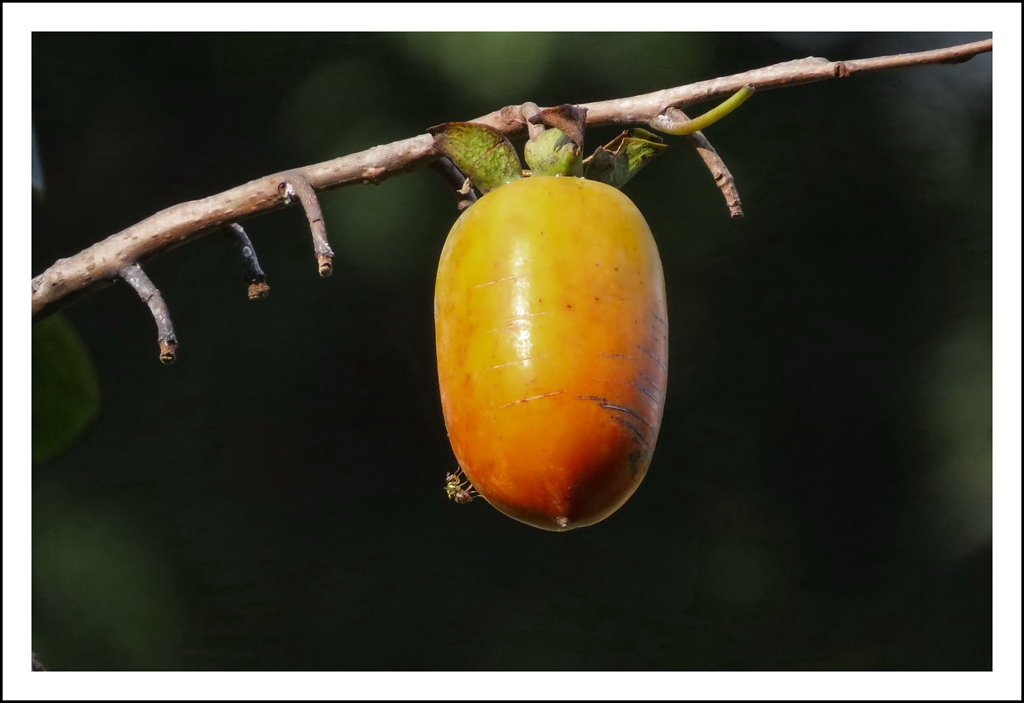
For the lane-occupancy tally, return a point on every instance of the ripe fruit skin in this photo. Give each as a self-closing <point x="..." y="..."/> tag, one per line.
<point x="552" y="348"/>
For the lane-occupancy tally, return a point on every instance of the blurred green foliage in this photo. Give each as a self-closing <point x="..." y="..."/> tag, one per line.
<point x="956" y="396"/>
<point x="101" y="591"/>
<point x="65" y="392"/>
<point x="492" y="68"/>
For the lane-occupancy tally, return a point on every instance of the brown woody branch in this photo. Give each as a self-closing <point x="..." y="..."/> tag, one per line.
<point x="184" y="222"/>
<point x="96" y="266"/>
<point x="641" y="109"/>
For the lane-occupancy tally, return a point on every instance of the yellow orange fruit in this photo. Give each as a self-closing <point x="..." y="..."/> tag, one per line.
<point x="552" y="348"/>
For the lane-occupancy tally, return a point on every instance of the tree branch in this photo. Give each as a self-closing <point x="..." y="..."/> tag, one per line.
<point x="641" y="109"/>
<point x="184" y="222"/>
<point x="101" y="263"/>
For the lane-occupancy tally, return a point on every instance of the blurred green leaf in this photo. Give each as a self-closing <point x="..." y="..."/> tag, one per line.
<point x="65" y="392"/>
<point x="956" y="400"/>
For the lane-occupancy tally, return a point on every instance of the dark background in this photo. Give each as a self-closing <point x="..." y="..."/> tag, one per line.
<point x="821" y="493"/>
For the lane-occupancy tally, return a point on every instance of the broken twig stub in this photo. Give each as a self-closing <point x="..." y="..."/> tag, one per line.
<point x="134" y="276"/>
<point x="254" y="275"/>
<point x="297" y="185"/>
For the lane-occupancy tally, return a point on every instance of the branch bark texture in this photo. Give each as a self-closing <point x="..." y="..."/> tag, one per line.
<point x="101" y="263"/>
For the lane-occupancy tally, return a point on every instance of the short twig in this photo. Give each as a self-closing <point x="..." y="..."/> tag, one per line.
<point x="254" y="275"/>
<point x="137" y="279"/>
<point x="719" y="171"/>
<point x="296" y="185"/>
<point x="451" y="174"/>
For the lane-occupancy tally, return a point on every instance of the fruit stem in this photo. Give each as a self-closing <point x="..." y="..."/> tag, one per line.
<point x="662" y="124"/>
<point x="526" y="111"/>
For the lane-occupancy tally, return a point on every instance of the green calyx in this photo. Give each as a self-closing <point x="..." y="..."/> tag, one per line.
<point x="621" y="158"/>
<point x="553" y="153"/>
<point x="482" y="153"/>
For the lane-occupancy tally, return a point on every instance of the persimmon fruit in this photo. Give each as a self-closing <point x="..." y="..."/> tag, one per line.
<point x="552" y="348"/>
